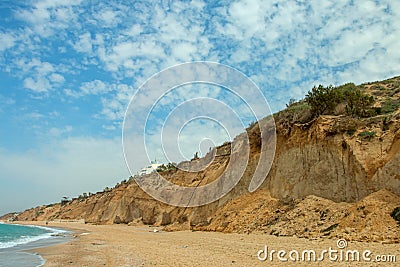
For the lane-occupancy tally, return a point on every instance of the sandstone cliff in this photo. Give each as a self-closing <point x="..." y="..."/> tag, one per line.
<point x="335" y="175"/>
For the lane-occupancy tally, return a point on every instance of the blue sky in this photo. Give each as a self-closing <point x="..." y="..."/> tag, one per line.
<point x="69" y="68"/>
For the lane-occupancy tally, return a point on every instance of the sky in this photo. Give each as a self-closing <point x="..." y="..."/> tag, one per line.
<point x="68" y="70"/>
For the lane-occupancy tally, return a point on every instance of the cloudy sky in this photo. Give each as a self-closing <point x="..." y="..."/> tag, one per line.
<point x="69" y="68"/>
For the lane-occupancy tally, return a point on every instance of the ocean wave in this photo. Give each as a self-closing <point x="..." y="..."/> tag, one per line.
<point x="53" y="230"/>
<point x="28" y="239"/>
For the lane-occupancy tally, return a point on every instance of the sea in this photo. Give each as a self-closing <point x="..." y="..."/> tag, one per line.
<point x="16" y="239"/>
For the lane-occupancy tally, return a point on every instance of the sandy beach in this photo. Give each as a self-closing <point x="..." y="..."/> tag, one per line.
<point x="123" y="245"/>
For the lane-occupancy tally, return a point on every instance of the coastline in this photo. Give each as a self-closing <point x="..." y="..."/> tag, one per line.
<point x="123" y="245"/>
<point x="23" y="254"/>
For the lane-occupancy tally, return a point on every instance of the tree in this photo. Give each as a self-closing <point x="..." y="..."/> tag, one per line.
<point x="161" y="168"/>
<point x="323" y="99"/>
<point x="358" y="103"/>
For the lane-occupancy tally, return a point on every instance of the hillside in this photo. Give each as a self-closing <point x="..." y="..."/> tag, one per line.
<point x="335" y="173"/>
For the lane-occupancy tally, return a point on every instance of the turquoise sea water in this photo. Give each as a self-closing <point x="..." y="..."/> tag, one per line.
<point x="15" y="238"/>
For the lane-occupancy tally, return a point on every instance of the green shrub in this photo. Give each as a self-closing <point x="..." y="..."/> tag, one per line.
<point x="295" y="113"/>
<point x="292" y="102"/>
<point x="367" y="134"/>
<point x="165" y="168"/>
<point x="298" y="106"/>
<point x="378" y="87"/>
<point x="357" y="102"/>
<point x="389" y="106"/>
<point x="171" y="166"/>
<point x="324" y="100"/>
<point x="38" y="213"/>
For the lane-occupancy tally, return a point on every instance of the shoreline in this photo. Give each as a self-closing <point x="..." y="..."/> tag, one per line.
<point x="123" y="245"/>
<point x="25" y="253"/>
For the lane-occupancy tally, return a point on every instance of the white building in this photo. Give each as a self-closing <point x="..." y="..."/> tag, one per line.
<point x="150" y="168"/>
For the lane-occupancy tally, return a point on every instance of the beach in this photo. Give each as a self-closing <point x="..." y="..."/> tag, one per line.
<point x="123" y="245"/>
<point x="16" y="240"/>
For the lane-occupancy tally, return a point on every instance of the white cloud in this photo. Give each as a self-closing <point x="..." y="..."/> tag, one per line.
<point x="6" y="100"/>
<point x="166" y="38"/>
<point x="6" y="103"/>
<point x="84" y="44"/>
<point x="134" y="31"/>
<point x="54" y="114"/>
<point x="58" y="132"/>
<point x="57" y="78"/>
<point x="47" y="17"/>
<point x="114" y="99"/>
<point x="184" y="51"/>
<point x="35" y="65"/>
<point x="42" y="76"/>
<point x="108" y="17"/>
<point x="94" y="88"/>
<point x="56" y="3"/>
<point x="109" y="127"/>
<point x="249" y="16"/>
<point x="123" y="53"/>
<point x="33" y="116"/>
<point x="353" y="45"/>
<point x="113" y="108"/>
<point x="38" y="84"/>
<point x="7" y="41"/>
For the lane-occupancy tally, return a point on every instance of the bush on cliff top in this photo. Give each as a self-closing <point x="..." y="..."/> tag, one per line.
<point x="324" y="100"/>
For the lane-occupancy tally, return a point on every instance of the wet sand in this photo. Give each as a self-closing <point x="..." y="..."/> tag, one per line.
<point x="122" y="245"/>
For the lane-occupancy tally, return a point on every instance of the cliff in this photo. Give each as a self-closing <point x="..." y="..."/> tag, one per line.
<point x="334" y="175"/>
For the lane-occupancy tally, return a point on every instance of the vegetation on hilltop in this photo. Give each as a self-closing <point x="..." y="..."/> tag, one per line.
<point x="355" y="101"/>
<point x="166" y="168"/>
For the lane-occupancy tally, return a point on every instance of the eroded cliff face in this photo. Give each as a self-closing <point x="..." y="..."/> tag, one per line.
<point x="327" y="161"/>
